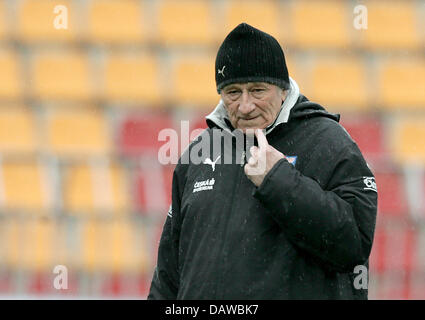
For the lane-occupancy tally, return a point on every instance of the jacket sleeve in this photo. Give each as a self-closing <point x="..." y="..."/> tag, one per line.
<point x="335" y="225"/>
<point x="165" y="282"/>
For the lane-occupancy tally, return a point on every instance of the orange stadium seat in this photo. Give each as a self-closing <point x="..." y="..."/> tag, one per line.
<point x="408" y="136"/>
<point x="35" y="21"/>
<point x="184" y="22"/>
<point x="10" y="236"/>
<point x="393" y="25"/>
<point x="263" y="15"/>
<point x="339" y="82"/>
<point x="112" y="21"/>
<point x="38" y="245"/>
<point x="111" y="246"/>
<point x="402" y="83"/>
<point x="17" y="131"/>
<point x="99" y="187"/>
<point x="24" y="185"/>
<point x="61" y="75"/>
<point x="321" y="24"/>
<point x="132" y="78"/>
<point x="76" y="132"/>
<point x="193" y="81"/>
<point x="3" y="17"/>
<point x="139" y="133"/>
<point x="10" y="81"/>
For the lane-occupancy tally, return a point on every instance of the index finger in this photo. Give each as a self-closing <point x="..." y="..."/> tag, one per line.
<point x="262" y="140"/>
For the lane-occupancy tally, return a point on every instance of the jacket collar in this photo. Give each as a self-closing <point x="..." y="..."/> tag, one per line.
<point x="220" y="118"/>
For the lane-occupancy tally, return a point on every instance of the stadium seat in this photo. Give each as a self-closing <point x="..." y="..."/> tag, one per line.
<point x="263" y="15"/>
<point x="10" y="243"/>
<point x="61" y="75"/>
<point x="139" y="133"/>
<point x="77" y="132"/>
<point x="116" y="22"/>
<point x="10" y="81"/>
<point x="35" y="21"/>
<point x="400" y="252"/>
<point x="367" y="132"/>
<point x="391" y="26"/>
<point x="193" y="81"/>
<point x="24" y="185"/>
<point x="38" y="245"/>
<point x="340" y="83"/>
<point x="154" y="198"/>
<point x="17" y="131"/>
<point x="132" y="78"/>
<point x="320" y="24"/>
<point x="185" y="22"/>
<point x="98" y="187"/>
<point x="401" y="83"/>
<point x="421" y="251"/>
<point x="111" y="246"/>
<point x="408" y="136"/>
<point x="3" y="23"/>
<point x="392" y="200"/>
<point x="394" y="286"/>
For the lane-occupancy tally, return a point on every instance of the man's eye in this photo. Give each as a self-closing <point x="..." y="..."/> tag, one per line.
<point x="258" y="90"/>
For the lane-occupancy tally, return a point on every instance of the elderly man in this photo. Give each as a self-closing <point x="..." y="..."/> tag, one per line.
<point x="294" y="219"/>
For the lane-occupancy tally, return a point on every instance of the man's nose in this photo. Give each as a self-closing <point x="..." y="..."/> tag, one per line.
<point x="247" y="104"/>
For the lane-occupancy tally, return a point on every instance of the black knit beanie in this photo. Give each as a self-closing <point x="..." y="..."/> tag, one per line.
<point x="250" y="55"/>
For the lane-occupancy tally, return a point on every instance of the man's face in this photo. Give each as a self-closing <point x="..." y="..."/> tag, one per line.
<point x="252" y="105"/>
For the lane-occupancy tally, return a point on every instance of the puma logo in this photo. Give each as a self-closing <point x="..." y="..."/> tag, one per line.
<point x="221" y="71"/>
<point x="208" y="161"/>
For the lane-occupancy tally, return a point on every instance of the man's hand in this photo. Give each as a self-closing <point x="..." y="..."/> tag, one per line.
<point x="264" y="157"/>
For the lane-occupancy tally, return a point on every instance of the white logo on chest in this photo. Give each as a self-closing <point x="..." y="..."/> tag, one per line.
<point x="203" y="185"/>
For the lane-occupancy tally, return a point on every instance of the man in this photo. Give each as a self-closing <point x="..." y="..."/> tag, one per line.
<point x="293" y="221"/>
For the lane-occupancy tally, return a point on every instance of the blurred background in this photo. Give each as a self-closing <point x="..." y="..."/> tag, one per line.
<point x="81" y="108"/>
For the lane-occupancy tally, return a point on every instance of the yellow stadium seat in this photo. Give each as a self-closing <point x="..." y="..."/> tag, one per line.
<point x="407" y="140"/>
<point x="41" y="21"/>
<point x="3" y="17"/>
<point x="112" y="21"/>
<point x="10" y="81"/>
<point x="320" y="24"/>
<point x="390" y="25"/>
<point x="339" y="82"/>
<point x="125" y="254"/>
<point x="263" y="15"/>
<point x="112" y="246"/>
<point x="184" y="22"/>
<point x="38" y="250"/>
<point x="77" y="132"/>
<point x="402" y="83"/>
<point x="96" y="187"/>
<point x="17" y="131"/>
<point x="194" y="81"/>
<point x="11" y="239"/>
<point x="132" y="78"/>
<point x="61" y="75"/>
<point x="24" y="185"/>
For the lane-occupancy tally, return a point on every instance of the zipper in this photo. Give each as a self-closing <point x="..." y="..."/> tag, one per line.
<point x="220" y="287"/>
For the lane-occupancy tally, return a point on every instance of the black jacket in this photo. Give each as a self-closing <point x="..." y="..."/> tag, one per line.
<point x="297" y="236"/>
